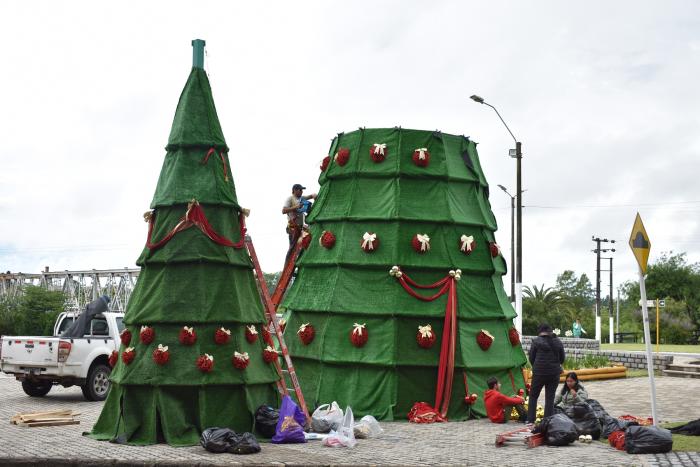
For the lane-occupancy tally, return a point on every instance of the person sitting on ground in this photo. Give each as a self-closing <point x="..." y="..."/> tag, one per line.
<point x="499" y="406"/>
<point x="572" y="392"/>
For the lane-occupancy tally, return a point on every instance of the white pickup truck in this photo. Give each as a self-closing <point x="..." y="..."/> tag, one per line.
<point x="77" y="355"/>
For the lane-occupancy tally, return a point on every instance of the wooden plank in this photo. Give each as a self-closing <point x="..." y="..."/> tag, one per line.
<point x="35" y="424"/>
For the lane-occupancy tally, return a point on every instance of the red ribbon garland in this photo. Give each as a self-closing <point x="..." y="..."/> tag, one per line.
<point x="223" y="160"/>
<point x="447" y="350"/>
<point x="195" y="216"/>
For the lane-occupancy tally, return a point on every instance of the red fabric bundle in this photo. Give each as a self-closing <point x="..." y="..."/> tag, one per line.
<point x="425" y="336"/>
<point x="161" y="355"/>
<point x="270" y="354"/>
<point x="514" y="337"/>
<point x="205" y="363"/>
<point x="378" y="152"/>
<point x="421" y="412"/>
<point x="494" y="248"/>
<point x="358" y="335"/>
<point x="187" y="336"/>
<point x="113" y="357"/>
<point x="420" y="246"/>
<point x="324" y="163"/>
<point x="617" y="440"/>
<point x="327" y="239"/>
<point x="147" y="334"/>
<point x="306" y="333"/>
<point x="421" y="157"/>
<point x="222" y="336"/>
<point x="240" y="361"/>
<point x="342" y="156"/>
<point x="128" y="356"/>
<point x="484" y="339"/>
<point x="125" y="337"/>
<point x="251" y="334"/>
<point x="369" y="242"/>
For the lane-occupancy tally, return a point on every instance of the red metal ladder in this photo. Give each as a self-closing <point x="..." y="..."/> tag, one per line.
<point x="271" y="317"/>
<point x="287" y="273"/>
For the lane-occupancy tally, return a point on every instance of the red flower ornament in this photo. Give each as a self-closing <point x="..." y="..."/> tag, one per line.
<point x="146" y="335"/>
<point x="521" y="392"/>
<point x="251" y="334"/>
<point x="327" y="239"/>
<point x="324" y="163"/>
<point x="305" y="240"/>
<point x="161" y="355"/>
<point x="421" y="157"/>
<point x="240" y="360"/>
<point x="113" y="357"/>
<point x="358" y="335"/>
<point x="306" y="333"/>
<point x="128" y="355"/>
<point x="342" y="156"/>
<point x="484" y="339"/>
<point x="270" y="354"/>
<point x="370" y="242"/>
<point x="187" y="335"/>
<point x="514" y="337"/>
<point x="495" y="249"/>
<point x="125" y="337"/>
<point x="222" y="335"/>
<point x="470" y="400"/>
<point x="467" y="244"/>
<point x="378" y="152"/>
<point x="205" y="363"/>
<point x="421" y="243"/>
<point x="425" y="336"/>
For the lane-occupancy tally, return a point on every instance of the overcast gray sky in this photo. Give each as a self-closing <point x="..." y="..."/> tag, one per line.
<point x="604" y="96"/>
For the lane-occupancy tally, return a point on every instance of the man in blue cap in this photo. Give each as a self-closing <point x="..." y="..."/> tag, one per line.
<point x="296" y="207"/>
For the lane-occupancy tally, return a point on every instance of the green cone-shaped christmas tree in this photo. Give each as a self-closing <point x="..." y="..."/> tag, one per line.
<point x="397" y="210"/>
<point x="191" y="357"/>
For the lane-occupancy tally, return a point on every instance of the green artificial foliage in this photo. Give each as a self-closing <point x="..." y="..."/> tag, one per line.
<point x="196" y="282"/>
<point x="338" y="287"/>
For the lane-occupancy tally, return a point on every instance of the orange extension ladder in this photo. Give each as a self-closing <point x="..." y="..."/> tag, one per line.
<point x="271" y="317"/>
<point x="287" y="273"/>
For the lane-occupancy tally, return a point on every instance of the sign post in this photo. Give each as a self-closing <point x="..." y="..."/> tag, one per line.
<point x="640" y="244"/>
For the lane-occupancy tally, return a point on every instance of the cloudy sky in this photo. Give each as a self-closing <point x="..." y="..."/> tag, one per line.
<point x="603" y="95"/>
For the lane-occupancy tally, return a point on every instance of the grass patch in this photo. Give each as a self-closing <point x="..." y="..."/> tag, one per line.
<point x="587" y="361"/>
<point x="662" y="347"/>
<point x="683" y="442"/>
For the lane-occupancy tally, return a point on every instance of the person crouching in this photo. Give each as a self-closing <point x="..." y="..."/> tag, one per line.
<point x="499" y="406"/>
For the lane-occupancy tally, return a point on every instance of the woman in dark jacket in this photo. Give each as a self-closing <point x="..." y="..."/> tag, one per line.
<point x="546" y="357"/>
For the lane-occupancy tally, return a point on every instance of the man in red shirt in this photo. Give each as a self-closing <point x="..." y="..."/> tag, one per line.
<point x="499" y="406"/>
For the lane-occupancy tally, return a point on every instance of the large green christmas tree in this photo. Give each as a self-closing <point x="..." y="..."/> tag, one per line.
<point x="398" y="209"/>
<point x="189" y="358"/>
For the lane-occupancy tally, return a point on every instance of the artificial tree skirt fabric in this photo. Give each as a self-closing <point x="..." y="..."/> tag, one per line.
<point x="140" y="414"/>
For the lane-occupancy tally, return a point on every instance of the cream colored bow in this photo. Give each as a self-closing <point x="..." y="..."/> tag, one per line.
<point x="368" y="240"/>
<point x="143" y="328"/>
<point x="188" y="329"/>
<point x="421" y="153"/>
<point x="252" y="329"/>
<point x="466" y="242"/>
<point x="128" y="349"/>
<point x="335" y="158"/>
<point x="379" y="148"/>
<point x="424" y="242"/>
<point x="242" y="356"/>
<point x="426" y="331"/>
<point x="227" y="331"/>
<point x="162" y="348"/>
<point x="209" y="357"/>
<point x="302" y="328"/>
<point x="488" y="334"/>
<point x="270" y="349"/>
<point x="358" y="328"/>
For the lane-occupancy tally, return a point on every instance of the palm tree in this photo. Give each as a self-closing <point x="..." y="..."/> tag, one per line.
<point x="546" y="304"/>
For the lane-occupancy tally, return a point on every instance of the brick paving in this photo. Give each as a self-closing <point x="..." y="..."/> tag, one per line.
<point x="463" y="443"/>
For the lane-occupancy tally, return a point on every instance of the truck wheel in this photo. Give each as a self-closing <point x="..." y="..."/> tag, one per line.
<point x="97" y="385"/>
<point x="36" y="389"/>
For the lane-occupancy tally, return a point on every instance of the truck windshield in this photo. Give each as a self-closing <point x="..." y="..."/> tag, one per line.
<point x="120" y="325"/>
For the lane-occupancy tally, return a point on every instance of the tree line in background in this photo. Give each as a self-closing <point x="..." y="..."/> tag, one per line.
<point x="670" y="278"/>
<point x="31" y="314"/>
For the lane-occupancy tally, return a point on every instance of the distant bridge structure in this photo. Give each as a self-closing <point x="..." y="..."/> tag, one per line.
<point x="79" y="287"/>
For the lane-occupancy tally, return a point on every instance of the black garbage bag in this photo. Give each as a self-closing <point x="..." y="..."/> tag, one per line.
<point x="585" y="419"/>
<point x="690" y="428"/>
<point x="558" y="430"/>
<point x="217" y="439"/>
<point x="598" y="409"/>
<point x="266" y="420"/>
<point x="647" y="440"/>
<point x="244" y="444"/>
<point x="611" y="424"/>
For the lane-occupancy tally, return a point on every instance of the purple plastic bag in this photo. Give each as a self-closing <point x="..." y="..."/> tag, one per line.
<point x="290" y="426"/>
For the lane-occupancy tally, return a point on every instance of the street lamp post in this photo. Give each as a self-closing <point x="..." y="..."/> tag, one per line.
<point x="518" y="154"/>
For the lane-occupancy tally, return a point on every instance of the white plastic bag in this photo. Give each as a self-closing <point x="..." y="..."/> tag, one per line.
<point x="326" y="417"/>
<point x="367" y="427"/>
<point x="345" y="435"/>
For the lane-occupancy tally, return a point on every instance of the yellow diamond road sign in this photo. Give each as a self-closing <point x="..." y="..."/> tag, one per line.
<point x="640" y="244"/>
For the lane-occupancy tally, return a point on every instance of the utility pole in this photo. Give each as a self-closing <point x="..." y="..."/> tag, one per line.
<point x="617" y="321"/>
<point x="610" y="303"/>
<point x="598" y="250"/>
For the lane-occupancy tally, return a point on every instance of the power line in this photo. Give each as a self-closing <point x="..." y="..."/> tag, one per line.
<point x="595" y="206"/>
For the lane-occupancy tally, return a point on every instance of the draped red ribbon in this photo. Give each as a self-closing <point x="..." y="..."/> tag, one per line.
<point x="447" y="346"/>
<point x="195" y="216"/>
<point x="223" y="160"/>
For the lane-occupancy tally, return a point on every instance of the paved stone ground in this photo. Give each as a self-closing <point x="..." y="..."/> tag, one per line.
<point x="464" y="443"/>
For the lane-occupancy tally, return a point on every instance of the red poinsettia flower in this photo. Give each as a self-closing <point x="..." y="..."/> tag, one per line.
<point x="495" y="249"/>
<point x="270" y="354"/>
<point x="359" y="335"/>
<point x="240" y="360"/>
<point x="187" y="336"/>
<point x="484" y="339"/>
<point x="369" y="242"/>
<point x="342" y="156"/>
<point x="467" y="244"/>
<point x="146" y="335"/>
<point x="161" y="354"/>
<point x="421" y="243"/>
<point x="128" y="355"/>
<point x="113" y="357"/>
<point x="327" y="239"/>
<point x="426" y="336"/>
<point x="306" y="240"/>
<point x="222" y="335"/>
<point x="306" y="333"/>
<point x="324" y="163"/>
<point x="251" y="334"/>
<point x="421" y="157"/>
<point x="378" y="152"/>
<point x="205" y="363"/>
<point x="514" y="337"/>
<point x="125" y="337"/>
